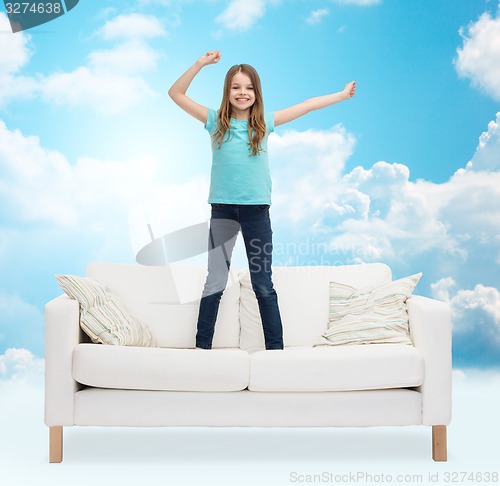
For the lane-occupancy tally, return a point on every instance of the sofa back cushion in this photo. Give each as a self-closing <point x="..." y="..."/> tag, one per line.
<point x="167" y="299"/>
<point x="303" y="299"/>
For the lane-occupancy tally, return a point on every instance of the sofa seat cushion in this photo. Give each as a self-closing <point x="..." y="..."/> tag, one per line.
<point x="336" y="368"/>
<point x="139" y="368"/>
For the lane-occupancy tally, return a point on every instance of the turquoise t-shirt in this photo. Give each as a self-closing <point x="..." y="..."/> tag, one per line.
<point x="237" y="176"/>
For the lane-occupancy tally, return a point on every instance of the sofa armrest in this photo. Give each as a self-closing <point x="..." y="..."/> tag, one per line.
<point x="430" y="331"/>
<point x="62" y="335"/>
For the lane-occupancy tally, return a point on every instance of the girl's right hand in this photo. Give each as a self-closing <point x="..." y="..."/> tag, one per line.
<point x="211" y="57"/>
<point x="350" y="90"/>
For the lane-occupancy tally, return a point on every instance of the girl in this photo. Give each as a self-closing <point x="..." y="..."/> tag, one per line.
<point x="240" y="187"/>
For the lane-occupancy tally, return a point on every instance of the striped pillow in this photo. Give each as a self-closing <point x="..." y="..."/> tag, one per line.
<point x="369" y="315"/>
<point x="103" y="317"/>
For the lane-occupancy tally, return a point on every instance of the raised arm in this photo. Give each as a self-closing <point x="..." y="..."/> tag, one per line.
<point x="296" y="111"/>
<point x="178" y="90"/>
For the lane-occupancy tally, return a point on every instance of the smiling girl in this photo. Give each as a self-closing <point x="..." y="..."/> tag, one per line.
<point x="240" y="187"/>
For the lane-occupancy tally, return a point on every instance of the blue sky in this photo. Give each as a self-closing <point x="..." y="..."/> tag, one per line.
<point x="406" y="172"/>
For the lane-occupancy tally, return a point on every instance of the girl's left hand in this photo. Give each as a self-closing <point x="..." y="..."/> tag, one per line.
<point x="211" y="57"/>
<point x="350" y="90"/>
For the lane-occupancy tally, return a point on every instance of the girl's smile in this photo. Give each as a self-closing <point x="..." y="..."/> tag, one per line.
<point x="241" y="96"/>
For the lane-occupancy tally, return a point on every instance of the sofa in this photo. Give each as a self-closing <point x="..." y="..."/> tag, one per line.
<point x="238" y="382"/>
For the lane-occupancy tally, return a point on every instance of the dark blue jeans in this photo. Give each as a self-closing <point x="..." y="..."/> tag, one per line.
<point x="225" y="224"/>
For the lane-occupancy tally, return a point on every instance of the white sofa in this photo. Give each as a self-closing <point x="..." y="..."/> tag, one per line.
<point x="243" y="384"/>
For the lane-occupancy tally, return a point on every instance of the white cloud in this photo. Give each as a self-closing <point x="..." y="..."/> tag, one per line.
<point x="241" y="15"/>
<point x="111" y="81"/>
<point x="15" y="50"/>
<point x="477" y="59"/>
<point x="35" y="183"/>
<point x="107" y="94"/>
<point x="132" y="26"/>
<point x="440" y="216"/>
<point x="316" y="16"/>
<point x="41" y="186"/>
<point x="379" y="214"/>
<point x="476" y="321"/>
<point x="469" y="202"/>
<point x="20" y="366"/>
<point x="482" y="299"/>
<point x="441" y="288"/>
<point x="305" y="167"/>
<point x="411" y="219"/>
<point x="487" y="154"/>
<point x="126" y="58"/>
<point x="15" y="53"/>
<point x="376" y="210"/>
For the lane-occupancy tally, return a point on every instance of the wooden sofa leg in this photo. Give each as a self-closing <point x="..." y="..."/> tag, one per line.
<point x="55" y="443"/>
<point x="439" y="448"/>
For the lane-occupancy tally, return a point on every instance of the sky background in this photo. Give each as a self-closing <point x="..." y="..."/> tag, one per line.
<point x="92" y="149"/>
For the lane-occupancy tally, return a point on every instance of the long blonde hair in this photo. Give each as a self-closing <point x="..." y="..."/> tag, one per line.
<point x="256" y="122"/>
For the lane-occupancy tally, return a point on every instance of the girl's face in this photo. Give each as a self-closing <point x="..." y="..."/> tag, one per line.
<point x="241" y="93"/>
